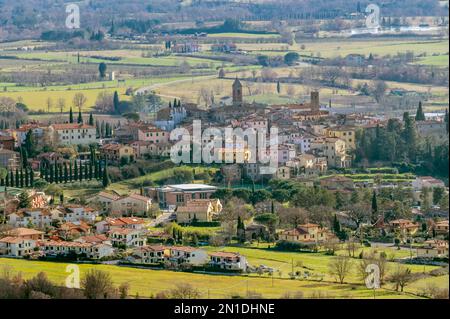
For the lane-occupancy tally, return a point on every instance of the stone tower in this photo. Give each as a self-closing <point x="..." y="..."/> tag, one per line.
<point x="315" y="105"/>
<point x="237" y="92"/>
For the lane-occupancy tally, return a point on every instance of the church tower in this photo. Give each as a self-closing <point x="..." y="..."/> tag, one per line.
<point x="237" y="92"/>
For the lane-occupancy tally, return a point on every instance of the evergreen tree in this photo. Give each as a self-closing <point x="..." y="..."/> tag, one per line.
<point x="70" y="115"/>
<point x="446" y="120"/>
<point x="31" y="177"/>
<point x="80" y="117"/>
<point x="12" y="179"/>
<point x="91" y="120"/>
<point x="336" y="226"/>
<point x="7" y="180"/>
<point x="75" y="171"/>
<point x="17" y="183"/>
<point x="420" y="116"/>
<point x="105" y="179"/>
<point x="278" y="87"/>
<point x="61" y="173"/>
<point x="80" y="172"/>
<point x="30" y="143"/>
<point x="66" y="174"/>
<point x="56" y="172"/>
<point x="27" y="177"/>
<point x="24" y="200"/>
<point x="116" y="103"/>
<point x="70" y="172"/>
<point x="409" y="136"/>
<point x="374" y="203"/>
<point x="354" y="199"/>
<point x="22" y="180"/>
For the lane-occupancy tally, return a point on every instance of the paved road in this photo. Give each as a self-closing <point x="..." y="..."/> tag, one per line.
<point x="161" y="219"/>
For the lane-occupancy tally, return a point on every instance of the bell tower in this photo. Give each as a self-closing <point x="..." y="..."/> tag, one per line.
<point x="237" y="92"/>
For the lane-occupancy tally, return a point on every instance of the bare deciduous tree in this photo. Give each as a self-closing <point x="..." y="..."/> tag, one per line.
<point x="340" y="267"/>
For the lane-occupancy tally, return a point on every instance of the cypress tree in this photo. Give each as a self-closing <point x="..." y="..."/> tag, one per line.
<point x="11" y="178"/>
<point x="70" y="115"/>
<point x="374" y="203"/>
<point x="66" y="173"/>
<point x="80" y="117"/>
<point x="70" y="172"/>
<point x="96" y="171"/>
<point x="278" y="87"/>
<point x="75" y="171"/>
<point x="86" y="171"/>
<point x="7" y="179"/>
<point x="91" y="120"/>
<point x="420" y="116"/>
<point x="31" y="177"/>
<point x="105" y="179"/>
<point x="80" y="172"/>
<point x="27" y="177"/>
<point x="61" y="173"/>
<point x="51" y="174"/>
<point x="116" y="103"/>
<point x="17" y="178"/>
<point x="55" y="171"/>
<point x="90" y="171"/>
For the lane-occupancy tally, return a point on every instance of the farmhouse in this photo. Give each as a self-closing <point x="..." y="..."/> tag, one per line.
<point x="16" y="246"/>
<point x="187" y="255"/>
<point x="307" y="234"/>
<point x="198" y="210"/>
<point x="228" y="260"/>
<point x="74" y="134"/>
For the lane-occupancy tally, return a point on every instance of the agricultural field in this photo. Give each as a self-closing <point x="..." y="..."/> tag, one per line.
<point x="329" y="49"/>
<point x="148" y="282"/>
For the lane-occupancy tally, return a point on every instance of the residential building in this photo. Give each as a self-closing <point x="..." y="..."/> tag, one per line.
<point x="9" y="160"/>
<point x="228" y="261"/>
<point x="105" y="200"/>
<point x="123" y="222"/>
<point x="179" y="194"/>
<point x="199" y="210"/>
<point x="64" y="248"/>
<point x="433" y="249"/>
<point x="36" y="217"/>
<point x="16" y="246"/>
<point x="115" y="153"/>
<point x="131" y="205"/>
<point x="126" y="237"/>
<point x="308" y="234"/>
<point x="74" y="134"/>
<point x="426" y="182"/>
<point x="345" y="133"/>
<point x="334" y="149"/>
<point x="180" y="255"/>
<point x="148" y="255"/>
<point x="7" y="142"/>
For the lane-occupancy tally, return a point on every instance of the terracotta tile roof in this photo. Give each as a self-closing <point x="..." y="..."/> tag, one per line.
<point x="11" y="240"/>
<point x="19" y="232"/>
<point x="71" y="126"/>
<point x="186" y="249"/>
<point x="224" y="254"/>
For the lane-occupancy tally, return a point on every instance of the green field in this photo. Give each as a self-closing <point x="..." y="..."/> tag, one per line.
<point x="148" y="282"/>
<point x="36" y="97"/>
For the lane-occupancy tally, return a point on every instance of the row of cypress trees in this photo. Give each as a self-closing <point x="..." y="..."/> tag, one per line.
<point x="20" y="178"/>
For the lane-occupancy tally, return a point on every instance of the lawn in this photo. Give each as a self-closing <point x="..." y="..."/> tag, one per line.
<point x="126" y="186"/>
<point x="243" y="35"/>
<point x="36" y="97"/>
<point x="438" y="60"/>
<point x="147" y="282"/>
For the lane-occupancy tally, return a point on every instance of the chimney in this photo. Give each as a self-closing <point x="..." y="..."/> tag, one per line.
<point x="315" y="106"/>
